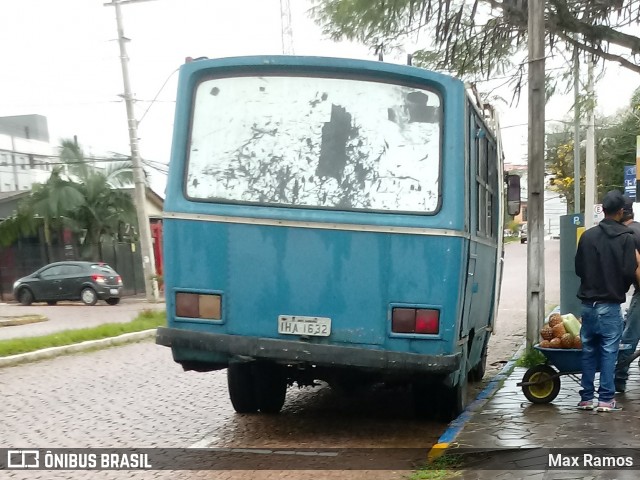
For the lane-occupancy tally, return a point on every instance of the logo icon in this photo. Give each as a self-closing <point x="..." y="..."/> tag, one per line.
<point x="23" y="459"/>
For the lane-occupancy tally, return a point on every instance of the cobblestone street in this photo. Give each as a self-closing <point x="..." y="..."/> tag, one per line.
<point x="135" y="396"/>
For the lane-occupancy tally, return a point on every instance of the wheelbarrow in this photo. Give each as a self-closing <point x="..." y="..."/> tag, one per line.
<point x="541" y="383"/>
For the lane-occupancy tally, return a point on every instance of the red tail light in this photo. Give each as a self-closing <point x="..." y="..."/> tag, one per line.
<point x="428" y="321"/>
<point x="98" y="278"/>
<point x="412" y="320"/>
<point x="119" y="280"/>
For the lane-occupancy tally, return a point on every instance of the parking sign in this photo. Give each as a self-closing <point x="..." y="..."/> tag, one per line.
<point x="630" y="181"/>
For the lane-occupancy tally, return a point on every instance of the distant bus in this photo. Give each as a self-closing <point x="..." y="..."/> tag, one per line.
<point x="331" y="219"/>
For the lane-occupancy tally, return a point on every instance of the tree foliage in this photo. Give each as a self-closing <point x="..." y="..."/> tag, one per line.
<point x="86" y="200"/>
<point x="615" y="148"/>
<point x="485" y="37"/>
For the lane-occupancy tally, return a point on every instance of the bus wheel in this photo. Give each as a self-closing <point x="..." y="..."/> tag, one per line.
<point x="425" y="402"/>
<point x="477" y="372"/>
<point x="453" y="400"/>
<point x="270" y="387"/>
<point x="240" y="380"/>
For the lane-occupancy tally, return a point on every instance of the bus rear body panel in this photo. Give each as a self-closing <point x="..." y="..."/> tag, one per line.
<point x="354" y="279"/>
<point x="329" y="215"/>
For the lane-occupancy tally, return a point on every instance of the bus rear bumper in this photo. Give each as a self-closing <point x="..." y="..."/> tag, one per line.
<point x="229" y="346"/>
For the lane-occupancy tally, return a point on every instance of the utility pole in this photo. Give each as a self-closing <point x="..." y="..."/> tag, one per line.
<point x="590" y="164"/>
<point x="576" y="129"/>
<point x="286" y="27"/>
<point x="535" y="203"/>
<point x="637" y="168"/>
<point x="148" y="260"/>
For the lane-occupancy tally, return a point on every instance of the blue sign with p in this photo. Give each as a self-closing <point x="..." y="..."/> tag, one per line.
<point x="630" y="181"/>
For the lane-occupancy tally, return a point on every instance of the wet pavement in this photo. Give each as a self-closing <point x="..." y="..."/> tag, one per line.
<point x="70" y="315"/>
<point x="523" y="435"/>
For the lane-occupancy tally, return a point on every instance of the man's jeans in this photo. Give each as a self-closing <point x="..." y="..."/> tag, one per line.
<point x="630" y="338"/>
<point x="600" y="334"/>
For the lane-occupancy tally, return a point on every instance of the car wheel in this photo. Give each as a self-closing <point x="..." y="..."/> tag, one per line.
<point x="25" y="297"/>
<point x="89" y="296"/>
<point x="51" y="302"/>
<point x="112" y="301"/>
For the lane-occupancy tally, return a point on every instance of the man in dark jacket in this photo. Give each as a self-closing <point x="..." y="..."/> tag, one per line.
<point x="606" y="264"/>
<point x="631" y="332"/>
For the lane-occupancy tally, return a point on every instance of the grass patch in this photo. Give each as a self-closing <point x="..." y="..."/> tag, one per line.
<point x="146" y="320"/>
<point x="439" y="468"/>
<point x="531" y="358"/>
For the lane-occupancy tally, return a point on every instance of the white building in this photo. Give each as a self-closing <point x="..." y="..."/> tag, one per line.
<point x="26" y="155"/>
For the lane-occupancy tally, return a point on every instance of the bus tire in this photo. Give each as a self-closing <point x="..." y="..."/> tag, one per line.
<point x="477" y="372"/>
<point x="240" y="380"/>
<point x="426" y="404"/>
<point x="270" y="387"/>
<point x="453" y="401"/>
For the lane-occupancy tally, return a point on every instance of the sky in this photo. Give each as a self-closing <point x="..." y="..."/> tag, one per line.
<point x="61" y="60"/>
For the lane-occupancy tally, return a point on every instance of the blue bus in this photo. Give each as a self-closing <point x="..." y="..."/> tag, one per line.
<point x="331" y="219"/>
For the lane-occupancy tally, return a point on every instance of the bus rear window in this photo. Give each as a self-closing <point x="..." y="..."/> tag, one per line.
<point x="333" y="143"/>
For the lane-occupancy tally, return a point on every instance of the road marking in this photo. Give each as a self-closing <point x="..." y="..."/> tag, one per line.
<point x="205" y="442"/>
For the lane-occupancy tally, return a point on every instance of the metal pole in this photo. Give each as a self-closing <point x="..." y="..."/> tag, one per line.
<point x="590" y="165"/>
<point x="637" y="168"/>
<point x="148" y="260"/>
<point x="535" y="208"/>
<point x="576" y="130"/>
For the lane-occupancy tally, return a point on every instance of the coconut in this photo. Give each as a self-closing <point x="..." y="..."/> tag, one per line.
<point x="577" y="343"/>
<point x="555" y="343"/>
<point x="559" y="330"/>
<point x="566" y="340"/>
<point x="545" y="344"/>
<point x="546" y="332"/>
<point x="555" y="319"/>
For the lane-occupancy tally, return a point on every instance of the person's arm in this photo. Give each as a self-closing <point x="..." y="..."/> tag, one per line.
<point x="638" y="268"/>
<point x="579" y="263"/>
<point x="630" y="261"/>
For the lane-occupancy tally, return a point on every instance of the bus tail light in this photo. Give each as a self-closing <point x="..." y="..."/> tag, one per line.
<point x="428" y="321"/>
<point x="199" y="305"/>
<point x="415" y="320"/>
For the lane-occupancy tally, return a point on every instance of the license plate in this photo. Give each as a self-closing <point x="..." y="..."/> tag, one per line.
<point x="307" y="326"/>
<point x="113" y="291"/>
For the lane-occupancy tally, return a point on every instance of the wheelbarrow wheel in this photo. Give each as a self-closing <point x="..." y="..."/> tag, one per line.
<point x="545" y="384"/>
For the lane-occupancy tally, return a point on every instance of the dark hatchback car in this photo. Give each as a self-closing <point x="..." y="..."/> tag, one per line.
<point x="86" y="281"/>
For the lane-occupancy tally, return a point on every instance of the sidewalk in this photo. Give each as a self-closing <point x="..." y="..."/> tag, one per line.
<point x="508" y="422"/>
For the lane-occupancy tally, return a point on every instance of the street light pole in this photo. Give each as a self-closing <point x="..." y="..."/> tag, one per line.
<point x="576" y="130"/>
<point x="148" y="260"/>
<point x="590" y="158"/>
<point x="535" y="204"/>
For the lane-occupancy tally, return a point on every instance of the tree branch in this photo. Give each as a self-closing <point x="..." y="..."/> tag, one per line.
<point x="566" y="22"/>
<point x="600" y="53"/>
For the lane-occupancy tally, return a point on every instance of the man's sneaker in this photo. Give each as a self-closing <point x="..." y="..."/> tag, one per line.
<point x="621" y="387"/>
<point x="608" y="407"/>
<point x="585" y="405"/>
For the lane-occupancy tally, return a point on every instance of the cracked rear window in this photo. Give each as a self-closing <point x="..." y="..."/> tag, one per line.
<point x="345" y="144"/>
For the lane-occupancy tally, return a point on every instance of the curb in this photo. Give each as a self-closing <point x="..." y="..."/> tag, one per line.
<point x="456" y="426"/>
<point x="52" y="352"/>
<point x="22" y="320"/>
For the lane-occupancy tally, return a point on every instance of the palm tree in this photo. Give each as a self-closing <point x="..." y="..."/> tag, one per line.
<point x="88" y="201"/>
<point x="48" y="206"/>
<point x="105" y="208"/>
<point x="103" y="212"/>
